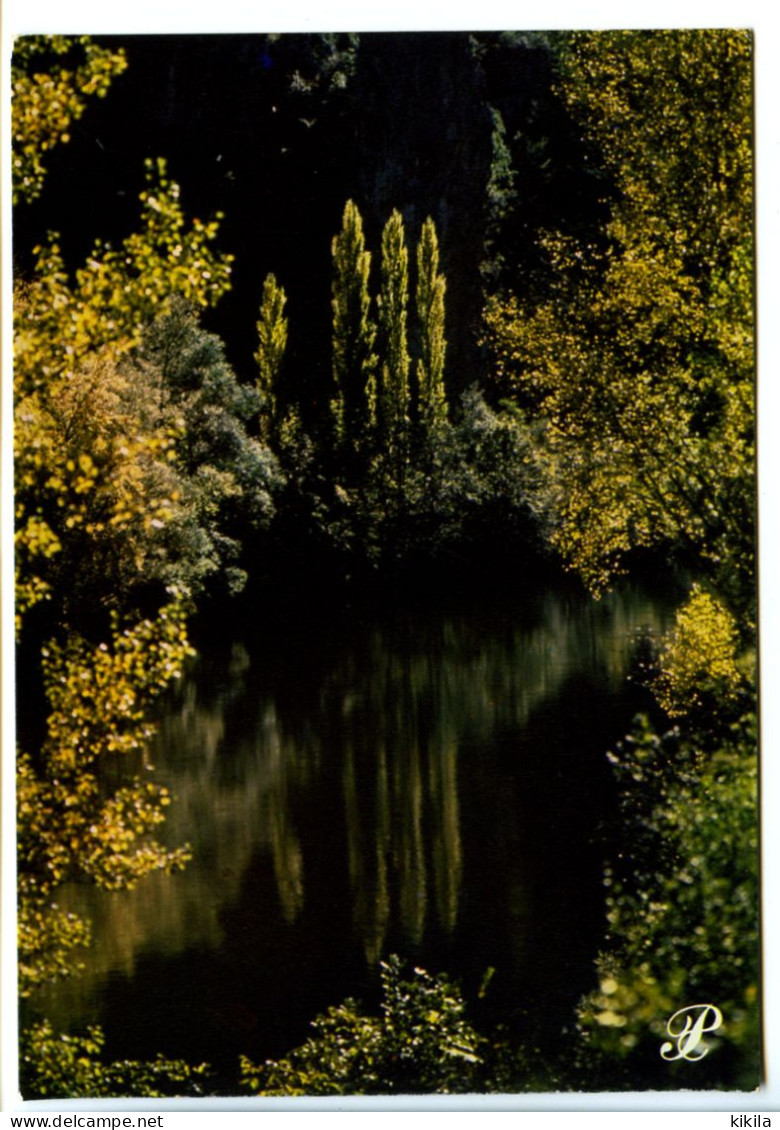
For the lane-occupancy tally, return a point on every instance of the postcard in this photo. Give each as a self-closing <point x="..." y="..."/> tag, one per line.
<point x="386" y="604"/>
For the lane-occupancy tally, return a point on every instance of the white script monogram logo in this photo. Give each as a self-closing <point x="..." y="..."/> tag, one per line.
<point x="687" y="1027"/>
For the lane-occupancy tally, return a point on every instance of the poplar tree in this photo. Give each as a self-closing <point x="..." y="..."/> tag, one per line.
<point x="354" y="333"/>
<point x="431" y="287"/>
<point x="272" y="343"/>
<point x="393" y="392"/>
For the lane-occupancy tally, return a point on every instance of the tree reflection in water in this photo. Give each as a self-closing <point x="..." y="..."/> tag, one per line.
<point x="394" y="781"/>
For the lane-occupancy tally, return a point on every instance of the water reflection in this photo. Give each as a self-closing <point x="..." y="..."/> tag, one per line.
<point x="417" y="783"/>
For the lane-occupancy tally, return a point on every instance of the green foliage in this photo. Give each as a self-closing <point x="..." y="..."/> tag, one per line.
<point x="354" y="333"/>
<point x="405" y="489"/>
<point x="420" y="1042"/>
<point x="392" y="396"/>
<point x="366" y="500"/>
<point x="501" y="194"/>
<point x="48" y="99"/>
<point x="54" y="1065"/>
<point x="683" y="917"/>
<point x="223" y="480"/>
<point x="69" y="826"/>
<point x="635" y="375"/>
<point x="470" y="478"/>
<point x="371" y="365"/>
<point x="272" y="343"/>
<point x="324" y="65"/>
<point x="640" y="363"/>
<point x="431" y="288"/>
<point x="473" y="480"/>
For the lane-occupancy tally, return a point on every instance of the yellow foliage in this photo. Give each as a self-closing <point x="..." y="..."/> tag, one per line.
<point x="47" y="101"/>
<point x="59" y="320"/>
<point x="699" y="660"/>
<point x="91" y="464"/>
<point x="92" y="470"/>
<point x="81" y="461"/>
<point x="272" y="343"/>
<point x="638" y="368"/>
<point x="68" y="827"/>
<point x="47" y="937"/>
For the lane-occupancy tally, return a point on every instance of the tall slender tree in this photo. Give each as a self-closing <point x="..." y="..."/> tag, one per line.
<point x="431" y="287"/>
<point x="354" y="333"/>
<point x="393" y="391"/>
<point x="272" y="343"/>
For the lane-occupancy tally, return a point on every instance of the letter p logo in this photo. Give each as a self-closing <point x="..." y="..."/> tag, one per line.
<point x="686" y="1027"/>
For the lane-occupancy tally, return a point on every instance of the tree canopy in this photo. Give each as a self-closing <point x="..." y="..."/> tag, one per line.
<point x="53" y="78"/>
<point x="640" y="360"/>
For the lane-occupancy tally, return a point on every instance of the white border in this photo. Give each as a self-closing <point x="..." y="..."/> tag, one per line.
<point x="177" y="16"/>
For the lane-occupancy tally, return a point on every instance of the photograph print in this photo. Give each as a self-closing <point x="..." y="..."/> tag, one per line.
<point x="385" y="504"/>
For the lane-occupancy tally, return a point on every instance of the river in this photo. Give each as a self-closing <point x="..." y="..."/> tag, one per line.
<point x="424" y="781"/>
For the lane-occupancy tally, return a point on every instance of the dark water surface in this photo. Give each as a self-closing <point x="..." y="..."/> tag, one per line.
<point x="429" y="783"/>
